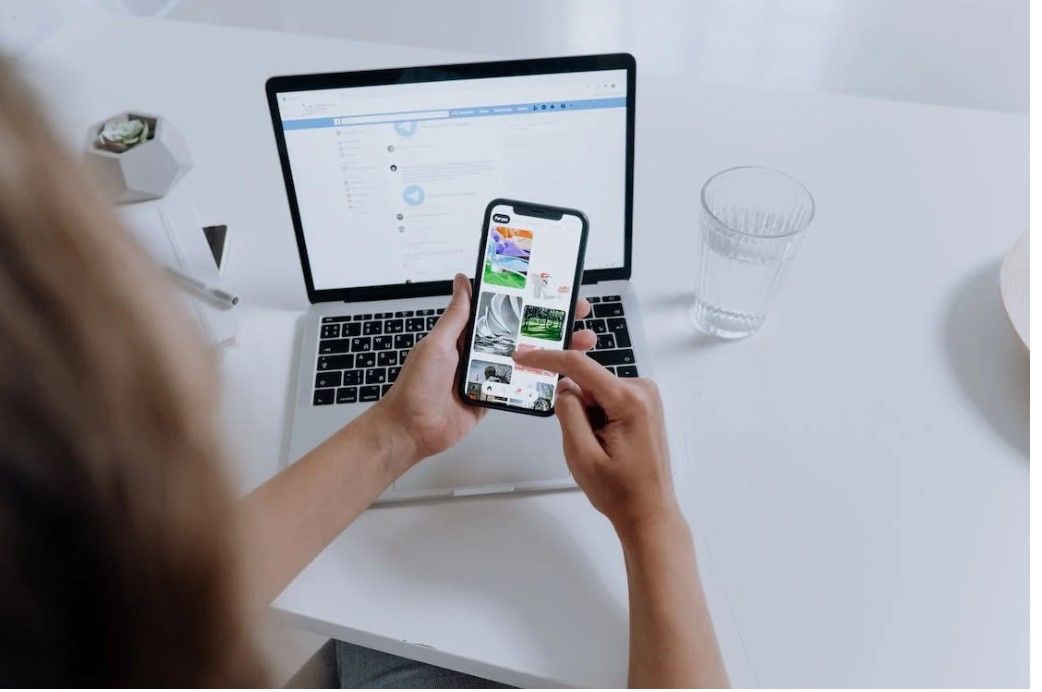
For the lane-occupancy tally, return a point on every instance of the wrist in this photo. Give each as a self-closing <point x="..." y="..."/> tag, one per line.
<point x="665" y="525"/>
<point x="388" y="440"/>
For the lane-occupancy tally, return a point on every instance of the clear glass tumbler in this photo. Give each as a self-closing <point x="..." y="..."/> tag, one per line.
<point x="752" y="221"/>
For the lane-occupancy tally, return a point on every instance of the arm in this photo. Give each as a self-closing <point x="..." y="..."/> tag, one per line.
<point x="615" y="445"/>
<point x="294" y="516"/>
<point x="672" y="643"/>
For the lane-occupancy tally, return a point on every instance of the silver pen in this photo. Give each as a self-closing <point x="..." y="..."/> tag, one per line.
<point x="212" y="292"/>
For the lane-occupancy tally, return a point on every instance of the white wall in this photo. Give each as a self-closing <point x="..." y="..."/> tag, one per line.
<point x="24" y="23"/>
<point x="968" y="53"/>
<point x="971" y="53"/>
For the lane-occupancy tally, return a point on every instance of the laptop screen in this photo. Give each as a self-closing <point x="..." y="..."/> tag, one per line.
<point x="392" y="181"/>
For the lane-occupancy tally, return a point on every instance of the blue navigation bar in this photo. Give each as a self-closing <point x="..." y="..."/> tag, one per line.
<point x="473" y="112"/>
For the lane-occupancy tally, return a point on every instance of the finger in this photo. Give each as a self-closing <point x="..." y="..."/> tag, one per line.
<point x="455" y="317"/>
<point x="587" y="373"/>
<point x="570" y="384"/>
<point x="567" y="385"/>
<point x="583" y="340"/>
<point x="582" y="309"/>
<point x="581" y="447"/>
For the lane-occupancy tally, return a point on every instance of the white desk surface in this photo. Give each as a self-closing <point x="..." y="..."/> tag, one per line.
<point x="858" y="471"/>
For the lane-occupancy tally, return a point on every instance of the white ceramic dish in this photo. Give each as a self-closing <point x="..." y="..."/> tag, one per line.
<point x="1016" y="285"/>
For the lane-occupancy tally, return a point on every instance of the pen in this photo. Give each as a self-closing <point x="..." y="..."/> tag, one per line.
<point x="212" y="292"/>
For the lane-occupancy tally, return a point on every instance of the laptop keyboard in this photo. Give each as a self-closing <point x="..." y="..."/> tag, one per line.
<point x="360" y="356"/>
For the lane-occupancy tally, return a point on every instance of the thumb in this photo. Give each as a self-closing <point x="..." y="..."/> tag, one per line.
<point x="455" y="317"/>
<point x="581" y="446"/>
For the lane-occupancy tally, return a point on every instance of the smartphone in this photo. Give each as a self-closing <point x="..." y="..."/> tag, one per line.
<point x="530" y="265"/>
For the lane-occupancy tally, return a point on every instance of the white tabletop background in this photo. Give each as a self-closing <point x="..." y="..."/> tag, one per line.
<point x="855" y="474"/>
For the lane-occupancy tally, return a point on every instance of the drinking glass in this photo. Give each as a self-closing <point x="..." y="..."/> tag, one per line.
<point x="752" y="221"/>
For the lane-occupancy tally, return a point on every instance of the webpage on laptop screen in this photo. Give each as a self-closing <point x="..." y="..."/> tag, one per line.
<point x="392" y="181"/>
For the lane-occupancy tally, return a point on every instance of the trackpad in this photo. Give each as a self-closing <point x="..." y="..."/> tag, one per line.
<point x="503" y="448"/>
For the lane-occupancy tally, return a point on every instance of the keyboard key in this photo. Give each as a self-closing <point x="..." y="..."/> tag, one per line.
<point x="622" y="356"/>
<point x="419" y="336"/>
<point x="341" y="318"/>
<point x="617" y="326"/>
<point x="579" y="324"/>
<point x="381" y="343"/>
<point x="382" y="315"/>
<point x="608" y="310"/>
<point x="359" y="318"/>
<point x="385" y="358"/>
<point x="440" y="311"/>
<point x="330" y="331"/>
<point x="598" y="326"/>
<point x="404" y="341"/>
<point x="365" y="360"/>
<point x="593" y="299"/>
<point x="352" y="377"/>
<point x="361" y="343"/>
<point x="610" y="369"/>
<point x="347" y="395"/>
<point x="323" y="397"/>
<point x="424" y="313"/>
<point x="604" y="342"/>
<point x="431" y="321"/>
<point x="612" y="299"/>
<point x="394" y="326"/>
<point x="327" y="346"/>
<point x="327" y="379"/>
<point x="369" y="393"/>
<point x="370" y="328"/>
<point x="627" y="371"/>
<point x="414" y="324"/>
<point x="375" y="376"/>
<point x="404" y="313"/>
<point x="350" y="329"/>
<point x="384" y="389"/>
<point x="335" y="362"/>
<point x="401" y="356"/>
<point x="392" y="373"/>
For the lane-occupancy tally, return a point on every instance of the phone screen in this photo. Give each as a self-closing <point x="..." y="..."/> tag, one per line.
<point x="527" y="279"/>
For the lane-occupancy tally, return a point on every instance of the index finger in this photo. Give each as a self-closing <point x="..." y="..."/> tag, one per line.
<point x="582" y="308"/>
<point x="585" y="371"/>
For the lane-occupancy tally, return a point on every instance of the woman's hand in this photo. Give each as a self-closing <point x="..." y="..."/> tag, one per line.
<point x="614" y="440"/>
<point x="615" y="445"/>
<point x="423" y="409"/>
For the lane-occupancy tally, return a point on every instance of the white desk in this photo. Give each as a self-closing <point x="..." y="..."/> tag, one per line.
<point x="858" y="472"/>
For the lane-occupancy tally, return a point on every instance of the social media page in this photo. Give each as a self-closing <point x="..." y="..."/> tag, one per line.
<point x="524" y="291"/>
<point x="392" y="181"/>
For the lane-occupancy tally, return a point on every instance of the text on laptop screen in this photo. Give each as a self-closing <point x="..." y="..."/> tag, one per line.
<point x="392" y="181"/>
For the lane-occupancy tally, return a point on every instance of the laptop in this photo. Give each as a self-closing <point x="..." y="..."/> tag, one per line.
<point x="387" y="175"/>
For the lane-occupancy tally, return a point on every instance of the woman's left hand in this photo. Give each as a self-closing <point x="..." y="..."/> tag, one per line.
<point x="423" y="410"/>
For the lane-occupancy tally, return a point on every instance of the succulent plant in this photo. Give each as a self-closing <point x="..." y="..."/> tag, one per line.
<point x="122" y="133"/>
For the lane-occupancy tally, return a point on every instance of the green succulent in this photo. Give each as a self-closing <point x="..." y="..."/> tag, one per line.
<point x="122" y="133"/>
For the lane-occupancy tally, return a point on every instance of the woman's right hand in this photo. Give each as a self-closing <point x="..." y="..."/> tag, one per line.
<point x="615" y="444"/>
<point x="614" y="440"/>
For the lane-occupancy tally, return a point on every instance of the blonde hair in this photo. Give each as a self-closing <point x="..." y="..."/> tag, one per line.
<point x="117" y="557"/>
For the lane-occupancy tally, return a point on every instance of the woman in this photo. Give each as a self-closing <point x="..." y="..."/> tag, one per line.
<point x="126" y="560"/>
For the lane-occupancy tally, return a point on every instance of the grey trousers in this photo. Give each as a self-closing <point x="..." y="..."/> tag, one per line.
<point x="362" y="668"/>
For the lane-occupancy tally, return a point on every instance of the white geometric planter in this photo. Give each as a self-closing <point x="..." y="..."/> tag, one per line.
<point x="147" y="170"/>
